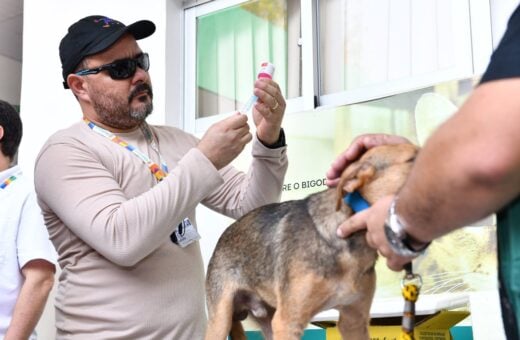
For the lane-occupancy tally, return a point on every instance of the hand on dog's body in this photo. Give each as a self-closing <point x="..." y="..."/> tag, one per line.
<point x="283" y="263"/>
<point x="372" y="219"/>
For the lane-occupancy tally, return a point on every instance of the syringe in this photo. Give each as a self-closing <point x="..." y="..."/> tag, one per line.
<point x="266" y="71"/>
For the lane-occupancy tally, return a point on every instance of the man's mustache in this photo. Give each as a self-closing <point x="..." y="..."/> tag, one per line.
<point x="143" y="87"/>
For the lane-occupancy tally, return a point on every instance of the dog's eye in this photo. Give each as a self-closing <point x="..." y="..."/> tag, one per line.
<point x="412" y="156"/>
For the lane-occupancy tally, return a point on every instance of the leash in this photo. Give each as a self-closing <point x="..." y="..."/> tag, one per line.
<point x="410" y="286"/>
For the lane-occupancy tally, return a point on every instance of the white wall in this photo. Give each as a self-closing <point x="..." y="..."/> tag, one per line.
<point x="174" y="72"/>
<point x="10" y="84"/>
<point x="500" y="12"/>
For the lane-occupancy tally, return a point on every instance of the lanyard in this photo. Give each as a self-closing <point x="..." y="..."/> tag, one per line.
<point x="8" y="181"/>
<point x="410" y="286"/>
<point x="158" y="172"/>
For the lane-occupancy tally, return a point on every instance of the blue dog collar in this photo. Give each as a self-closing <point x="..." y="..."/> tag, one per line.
<point x="356" y="201"/>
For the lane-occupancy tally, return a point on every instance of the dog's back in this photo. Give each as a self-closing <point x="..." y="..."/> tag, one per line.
<point x="285" y="258"/>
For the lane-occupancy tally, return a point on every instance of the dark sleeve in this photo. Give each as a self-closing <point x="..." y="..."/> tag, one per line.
<point x="505" y="60"/>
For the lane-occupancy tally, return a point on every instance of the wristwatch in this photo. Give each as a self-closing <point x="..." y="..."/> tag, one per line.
<point x="401" y="243"/>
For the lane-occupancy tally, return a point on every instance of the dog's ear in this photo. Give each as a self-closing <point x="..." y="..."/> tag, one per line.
<point x="353" y="177"/>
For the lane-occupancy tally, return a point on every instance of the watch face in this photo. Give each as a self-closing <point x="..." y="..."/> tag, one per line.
<point x="394" y="223"/>
<point x="391" y="237"/>
<point x="396" y="226"/>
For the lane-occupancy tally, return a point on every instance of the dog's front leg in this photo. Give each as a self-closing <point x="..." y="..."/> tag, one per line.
<point x="355" y="317"/>
<point x="353" y="323"/>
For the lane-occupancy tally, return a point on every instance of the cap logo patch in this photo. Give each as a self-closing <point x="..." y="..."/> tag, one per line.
<point x="107" y="22"/>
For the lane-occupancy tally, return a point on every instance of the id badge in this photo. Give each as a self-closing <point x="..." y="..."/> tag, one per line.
<point x="185" y="234"/>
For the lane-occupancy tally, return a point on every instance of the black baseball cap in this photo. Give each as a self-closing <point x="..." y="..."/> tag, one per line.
<point x="94" y="34"/>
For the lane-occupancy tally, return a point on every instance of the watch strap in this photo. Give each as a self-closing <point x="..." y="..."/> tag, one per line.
<point x="400" y="247"/>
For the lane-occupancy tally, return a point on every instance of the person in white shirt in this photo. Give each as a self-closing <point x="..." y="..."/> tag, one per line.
<point x="27" y="257"/>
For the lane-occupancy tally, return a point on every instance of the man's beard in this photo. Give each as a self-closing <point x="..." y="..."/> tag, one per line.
<point x="117" y="112"/>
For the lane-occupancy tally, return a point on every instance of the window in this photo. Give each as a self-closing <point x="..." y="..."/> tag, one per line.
<point x="327" y="53"/>
<point x="230" y="41"/>
<point x="371" y="49"/>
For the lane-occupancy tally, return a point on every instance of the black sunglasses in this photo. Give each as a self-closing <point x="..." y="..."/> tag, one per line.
<point x="120" y="69"/>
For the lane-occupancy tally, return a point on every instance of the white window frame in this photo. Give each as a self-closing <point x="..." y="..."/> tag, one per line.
<point x="477" y="39"/>
<point x="305" y="102"/>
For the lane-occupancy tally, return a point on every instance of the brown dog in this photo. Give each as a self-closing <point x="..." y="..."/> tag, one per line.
<point x="283" y="263"/>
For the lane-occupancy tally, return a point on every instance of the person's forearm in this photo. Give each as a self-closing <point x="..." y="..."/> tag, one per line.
<point x="436" y="201"/>
<point x="29" y="307"/>
<point x="466" y="171"/>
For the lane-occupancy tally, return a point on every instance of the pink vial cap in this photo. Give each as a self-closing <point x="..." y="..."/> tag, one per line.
<point x="266" y="70"/>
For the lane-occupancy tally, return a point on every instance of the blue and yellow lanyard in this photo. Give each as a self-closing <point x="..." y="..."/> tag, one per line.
<point x="8" y="181"/>
<point x="159" y="172"/>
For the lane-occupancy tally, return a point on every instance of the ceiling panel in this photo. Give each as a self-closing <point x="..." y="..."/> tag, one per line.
<point x="11" y="28"/>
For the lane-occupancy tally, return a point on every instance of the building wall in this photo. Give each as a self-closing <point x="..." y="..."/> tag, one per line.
<point x="10" y="86"/>
<point x="500" y="12"/>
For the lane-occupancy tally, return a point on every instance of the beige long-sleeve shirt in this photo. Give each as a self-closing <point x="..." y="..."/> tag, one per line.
<point x="110" y="221"/>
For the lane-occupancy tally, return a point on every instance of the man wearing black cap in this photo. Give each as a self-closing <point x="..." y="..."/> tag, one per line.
<point x="119" y="195"/>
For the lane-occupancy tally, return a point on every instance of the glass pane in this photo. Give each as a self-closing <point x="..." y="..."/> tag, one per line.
<point x="412" y="114"/>
<point x="367" y="43"/>
<point x="233" y="42"/>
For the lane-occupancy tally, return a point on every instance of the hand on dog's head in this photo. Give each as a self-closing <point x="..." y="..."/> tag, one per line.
<point x="385" y="167"/>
